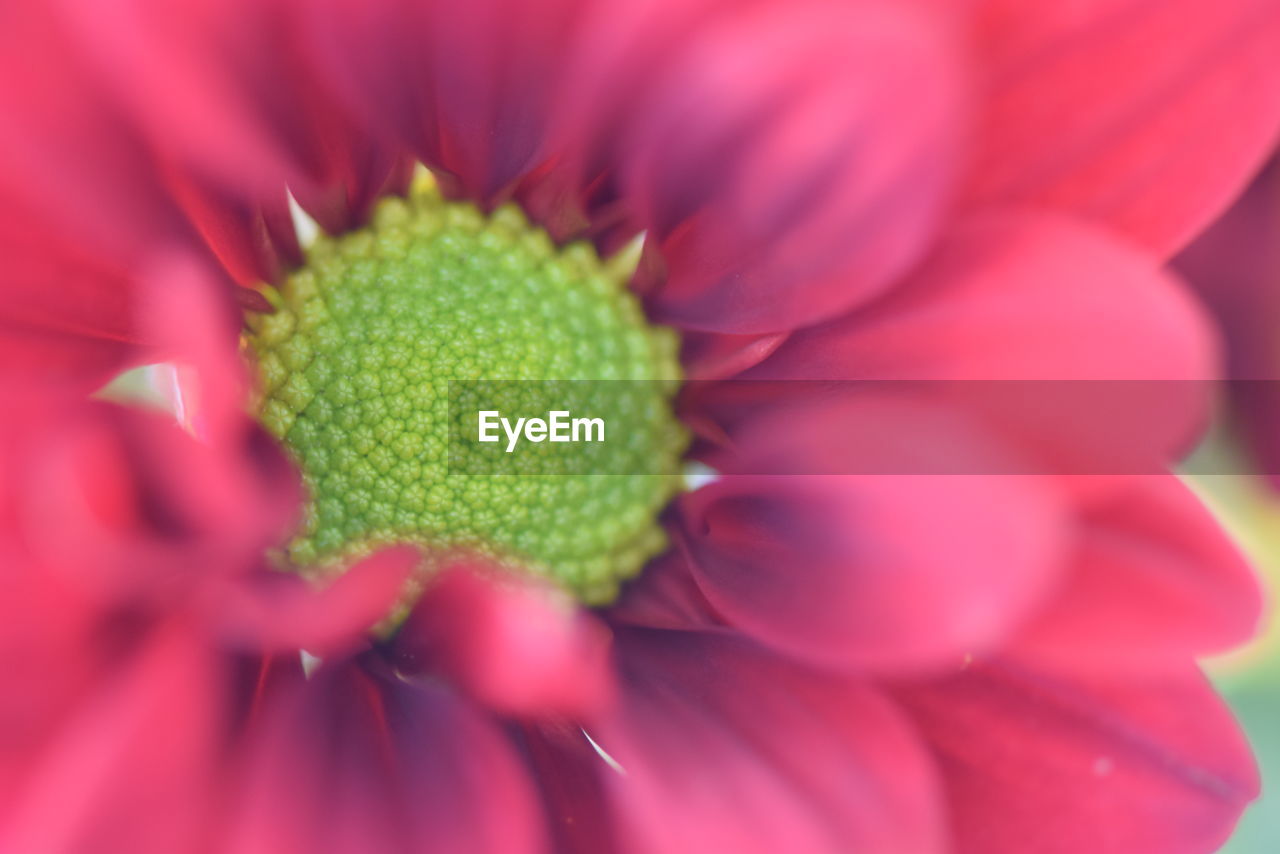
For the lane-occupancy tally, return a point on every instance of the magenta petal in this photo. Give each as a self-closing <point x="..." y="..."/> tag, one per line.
<point x="515" y="644"/>
<point x="1142" y="765"/>
<point x="726" y="748"/>
<point x="1154" y="580"/>
<point x="874" y="571"/>
<point x="811" y="185"/>
<point x="1144" y="116"/>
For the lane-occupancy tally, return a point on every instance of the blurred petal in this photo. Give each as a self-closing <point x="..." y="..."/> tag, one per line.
<point x="515" y="644"/>
<point x="726" y="748"/>
<point x="347" y="763"/>
<point x="1144" y="115"/>
<point x="1074" y="345"/>
<point x="1014" y="295"/>
<point x="66" y="156"/>
<point x="665" y="596"/>
<point x="894" y="571"/>
<point x="1142" y="765"/>
<point x="808" y="188"/>
<point x="128" y="772"/>
<point x="1154" y="581"/>
<point x="233" y="97"/>
<point x="283" y="614"/>
<point x="570" y="775"/>
<point x="466" y="86"/>
<point x="66" y="314"/>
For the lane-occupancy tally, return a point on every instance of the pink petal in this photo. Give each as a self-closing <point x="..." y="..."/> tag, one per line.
<point x="897" y="571"/>
<point x="1144" y="116"/>
<point x="1076" y="346"/>
<point x="1014" y="295"/>
<point x="726" y="748"/>
<point x="665" y="596"/>
<point x="570" y="777"/>
<point x="1154" y="580"/>
<point x="282" y="614"/>
<point x="466" y="86"/>
<point x="70" y="166"/>
<point x="63" y="308"/>
<point x="515" y="644"/>
<point x="712" y="356"/>
<point x="227" y="91"/>
<point x="1142" y="765"/>
<point x="810" y="185"/>
<point x="100" y="496"/>
<point x="130" y="771"/>
<point x="348" y="763"/>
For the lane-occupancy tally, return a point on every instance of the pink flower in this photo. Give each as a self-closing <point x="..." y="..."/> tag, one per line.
<point x="859" y="192"/>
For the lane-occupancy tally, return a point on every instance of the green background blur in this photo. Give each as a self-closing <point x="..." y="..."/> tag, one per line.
<point x="1250" y="678"/>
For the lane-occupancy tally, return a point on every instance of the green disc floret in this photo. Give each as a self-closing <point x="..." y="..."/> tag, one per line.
<point x="355" y="367"/>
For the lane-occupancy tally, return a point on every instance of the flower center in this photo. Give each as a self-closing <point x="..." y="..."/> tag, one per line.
<point x="356" y="366"/>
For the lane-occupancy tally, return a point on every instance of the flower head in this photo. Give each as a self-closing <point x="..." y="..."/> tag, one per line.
<point x="285" y="622"/>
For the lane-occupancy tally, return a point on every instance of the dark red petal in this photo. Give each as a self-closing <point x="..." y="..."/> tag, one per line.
<point x="875" y="571"/>
<point x="515" y="644"/>
<point x="1142" y="765"/>
<point x="724" y="747"/>
<point x="1154" y="580"/>
<point x="1143" y="115"/>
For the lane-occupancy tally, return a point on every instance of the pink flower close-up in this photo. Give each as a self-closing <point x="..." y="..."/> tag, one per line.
<point x="880" y="546"/>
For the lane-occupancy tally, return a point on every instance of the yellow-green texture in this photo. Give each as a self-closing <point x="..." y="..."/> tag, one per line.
<point x="355" y="366"/>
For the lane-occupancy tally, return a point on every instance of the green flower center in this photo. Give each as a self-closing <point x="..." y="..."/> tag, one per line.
<point x="356" y="364"/>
